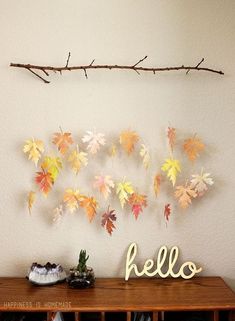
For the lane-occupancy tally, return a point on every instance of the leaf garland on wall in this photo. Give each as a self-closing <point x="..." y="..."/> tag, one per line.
<point x="71" y="153"/>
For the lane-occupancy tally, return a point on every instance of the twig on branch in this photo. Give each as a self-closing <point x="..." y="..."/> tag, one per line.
<point x="85" y="68"/>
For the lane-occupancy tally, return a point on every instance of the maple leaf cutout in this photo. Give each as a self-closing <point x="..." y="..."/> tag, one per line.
<point x="124" y="189"/>
<point x="172" y="167"/>
<point x="113" y="150"/>
<point x="184" y="195"/>
<point x="44" y="181"/>
<point x="107" y="220"/>
<point x="137" y="202"/>
<point x="58" y="214"/>
<point x="90" y="205"/>
<point x="128" y="139"/>
<point x="31" y="200"/>
<point x="77" y="160"/>
<point x="167" y="211"/>
<point x="52" y="165"/>
<point x="193" y="147"/>
<point x="157" y="184"/>
<point x="200" y="182"/>
<point x="144" y="153"/>
<point x="62" y="141"/>
<point x="34" y="148"/>
<point x="104" y="184"/>
<point x="94" y="140"/>
<point x="71" y="199"/>
<point x="171" y="134"/>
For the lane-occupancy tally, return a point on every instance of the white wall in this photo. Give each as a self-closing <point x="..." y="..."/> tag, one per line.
<point x="170" y="33"/>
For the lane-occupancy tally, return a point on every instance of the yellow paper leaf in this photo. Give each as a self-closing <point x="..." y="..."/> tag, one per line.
<point x="193" y="147"/>
<point x="144" y="153"/>
<point x="31" y="200"/>
<point x="113" y="150"/>
<point x="172" y="167"/>
<point x="77" y="160"/>
<point x="71" y="199"/>
<point x="124" y="189"/>
<point x="52" y="165"/>
<point x="34" y="148"/>
<point x="128" y="139"/>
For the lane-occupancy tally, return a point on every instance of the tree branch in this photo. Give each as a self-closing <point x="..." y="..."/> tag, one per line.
<point x="135" y="67"/>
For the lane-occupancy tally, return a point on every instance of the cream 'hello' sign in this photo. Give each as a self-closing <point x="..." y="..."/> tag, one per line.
<point x="161" y="261"/>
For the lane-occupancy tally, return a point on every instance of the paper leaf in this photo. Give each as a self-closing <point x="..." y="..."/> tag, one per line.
<point x="171" y="134"/>
<point x="58" y="214"/>
<point x="71" y="199"/>
<point x="103" y="184"/>
<point x="184" y="195"/>
<point x="128" y="139"/>
<point x="77" y="160"/>
<point x="52" y="165"/>
<point x="200" y="182"/>
<point x="90" y="205"/>
<point x="94" y="140"/>
<point x="124" y="189"/>
<point x="193" y="147"/>
<point x="107" y="220"/>
<point x="157" y="184"/>
<point x="62" y="141"/>
<point x="113" y="151"/>
<point x="167" y="211"/>
<point x="137" y="202"/>
<point x="172" y="167"/>
<point x="34" y="148"/>
<point x="44" y="181"/>
<point x="31" y="200"/>
<point x="144" y="153"/>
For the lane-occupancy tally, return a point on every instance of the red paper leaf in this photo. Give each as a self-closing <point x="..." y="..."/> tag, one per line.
<point x="108" y="218"/>
<point x="44" y="181"/>
<point x="137" y="202"/>
<point x="167" y="212"/>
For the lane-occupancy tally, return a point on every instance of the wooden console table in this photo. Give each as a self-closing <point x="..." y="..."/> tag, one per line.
<point x="116" y="295"/>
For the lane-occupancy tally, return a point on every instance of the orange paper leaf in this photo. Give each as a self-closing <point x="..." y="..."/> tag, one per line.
<point x="128" y="139"/>
<point x="90" y="205"/>
<point x="31" y="200"/>
<point x="193" y="147"/>
<point x="171" y="134"/>
<point x="137" y="202"/>
<point x="157" y="183"/>
<point x="44" y="181"/>
<point x="71" y="199"/>
<point x="107" y="220"/>
<point x="184" y="195"/>
<point x="62" y="141"/>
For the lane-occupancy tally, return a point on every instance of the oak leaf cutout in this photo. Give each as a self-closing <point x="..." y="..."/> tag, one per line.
<point x="31" y="200"/>
<point x="52" y="165"/>
<point x="128" y="139"/>
<point x="89" y="204"/>
<point x="104" y="184"/>
<point x="34" y="148"/>
<point x="71" y="199"/>
<point x="172" y="167"/>
<point x="193" y="147"/>
<point x="94" y="140"/>
<point x="137" y="202"/>
<point x="124" y="189"/>
<point x="107" y="220"/>
<point x="184" y="194"/>
<point x="44" y="181"/>
<point x="200" y="182"/>
<point x="77" y="159"/>
<point x="144" y="153"/>
<point x="62" y="141"/>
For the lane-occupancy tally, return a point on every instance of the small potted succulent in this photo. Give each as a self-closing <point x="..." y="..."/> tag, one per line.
<point x="81" y="276"/>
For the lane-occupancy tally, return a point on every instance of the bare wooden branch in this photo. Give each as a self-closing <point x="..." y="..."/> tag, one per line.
<point x="136" y="67"/>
